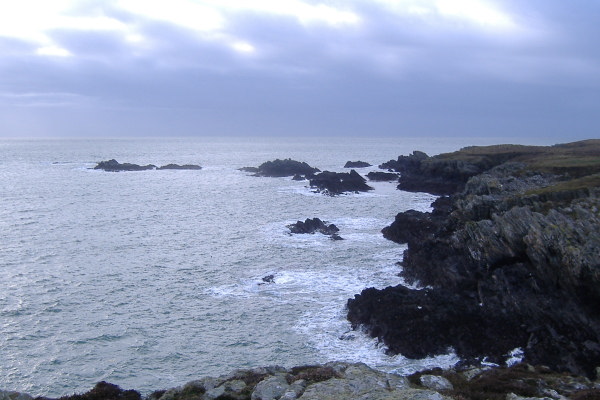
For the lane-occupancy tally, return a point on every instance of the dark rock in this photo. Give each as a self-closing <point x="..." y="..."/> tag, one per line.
<point x="114" y="166"/>
<point x="269" y="279"/>
<point x="280" y="168"/>
<point x="177" y="166"/>
<point x="379" y="176"/>
<point x="335" y="236"/>
<point x="511" y="261"/>
<point x="356" y="164"/>
<point x="335" y="183"/>
<point x="299" y="177"/>
<point x="312" y="226"/>
<point x="105" y="391"/>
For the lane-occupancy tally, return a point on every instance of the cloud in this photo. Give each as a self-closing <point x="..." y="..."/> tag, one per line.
<point x="300" y="66"/>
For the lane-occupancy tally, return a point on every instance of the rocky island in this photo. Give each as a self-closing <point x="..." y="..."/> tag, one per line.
<point x="281" y="168"/>
<point x="510" y="259"/>
<point x="115" y="166"/>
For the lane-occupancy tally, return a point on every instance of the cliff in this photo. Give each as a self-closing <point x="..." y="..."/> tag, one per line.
<point x="510" y="260"/>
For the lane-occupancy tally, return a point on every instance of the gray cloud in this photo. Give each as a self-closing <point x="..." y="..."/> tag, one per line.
<point x="392" y="73"/>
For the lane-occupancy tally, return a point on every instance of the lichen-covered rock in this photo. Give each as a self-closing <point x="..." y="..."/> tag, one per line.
<point x="436" y="382"/>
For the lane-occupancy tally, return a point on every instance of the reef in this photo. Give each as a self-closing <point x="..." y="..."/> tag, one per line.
<point x="511" y="259"/>
<point x="315" y="225"/>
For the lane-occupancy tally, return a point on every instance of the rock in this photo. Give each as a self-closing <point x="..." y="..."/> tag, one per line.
<point x="271" y="388"/>
<point x="436" y="382"/>
<point x="312" y="226"/>
<point x="281" y="168"/>
<point x="336" y="183"/>
<point x="356" y="164"/>
<point x="176" y="166"/>
<point x="509" y="262"/>
<point x="114" y="166"/>
<point x="299" y="177"/>
<point x="379" y="176"/>
<point x="269" y="279"/>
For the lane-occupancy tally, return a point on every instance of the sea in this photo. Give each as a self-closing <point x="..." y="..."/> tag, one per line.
<point x="151" y="279"/>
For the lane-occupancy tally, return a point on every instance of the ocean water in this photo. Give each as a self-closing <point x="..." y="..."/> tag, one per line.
<point x="151" y="279"/>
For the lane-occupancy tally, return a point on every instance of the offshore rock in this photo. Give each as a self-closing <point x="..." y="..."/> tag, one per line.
<point x="177" y="166"/>
<point x="336" y="183"/>
<point x="513" y="261"/>
<point x="312" y="226"/>
<point x="356" y="164"/>
<point x="281" y="168"/>
<point x="114" y="166"/>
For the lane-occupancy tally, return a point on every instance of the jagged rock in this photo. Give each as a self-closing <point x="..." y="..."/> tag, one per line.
<point x="335" y="183"/>
<point x="312" y="226"/>
<point x="281" y="168"/>
<point x="114" y="166"/>
<point x="269" y="279"/>
<point x="511" y="262"/>
<point x="356" y="164"/>
<point x="177" y="166"/>
<point x="378" y="176"/>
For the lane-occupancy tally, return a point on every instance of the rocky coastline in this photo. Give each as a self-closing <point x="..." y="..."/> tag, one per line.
<point x="507" y="261"/>
<point x="510" y="258"/>
<point x="345" y="381"/>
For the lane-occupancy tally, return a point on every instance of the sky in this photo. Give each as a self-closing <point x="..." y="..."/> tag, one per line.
<point x="469" y="68"/>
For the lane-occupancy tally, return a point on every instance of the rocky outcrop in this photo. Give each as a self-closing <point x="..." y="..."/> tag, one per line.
<point x="177" y="166"/>
<point x="344" y="381"/>
<point x="114" y="166"/>
<point x="315" y="225"/>
<point x="513" y="261"/>
<point x="336" y="183"/>
<point x="281" y="168"/>
<point x="379" y="176"/>
<point x="356" y="164"/>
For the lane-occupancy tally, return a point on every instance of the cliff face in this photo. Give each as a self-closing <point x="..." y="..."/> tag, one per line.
<point x="513" y="260"/>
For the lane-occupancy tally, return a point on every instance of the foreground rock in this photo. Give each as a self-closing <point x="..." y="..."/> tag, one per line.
<point x="343" y="381"/>
<point x="114" y="166"/>
<point x="315" y="225"/>
<point x="281" y="168"/>
<point x="336" y="183"/>
<point x="356" y="164"/>
<point x="512" y="261"/>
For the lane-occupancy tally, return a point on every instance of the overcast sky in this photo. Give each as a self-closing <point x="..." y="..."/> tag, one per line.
<point x="528" y="68"/>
